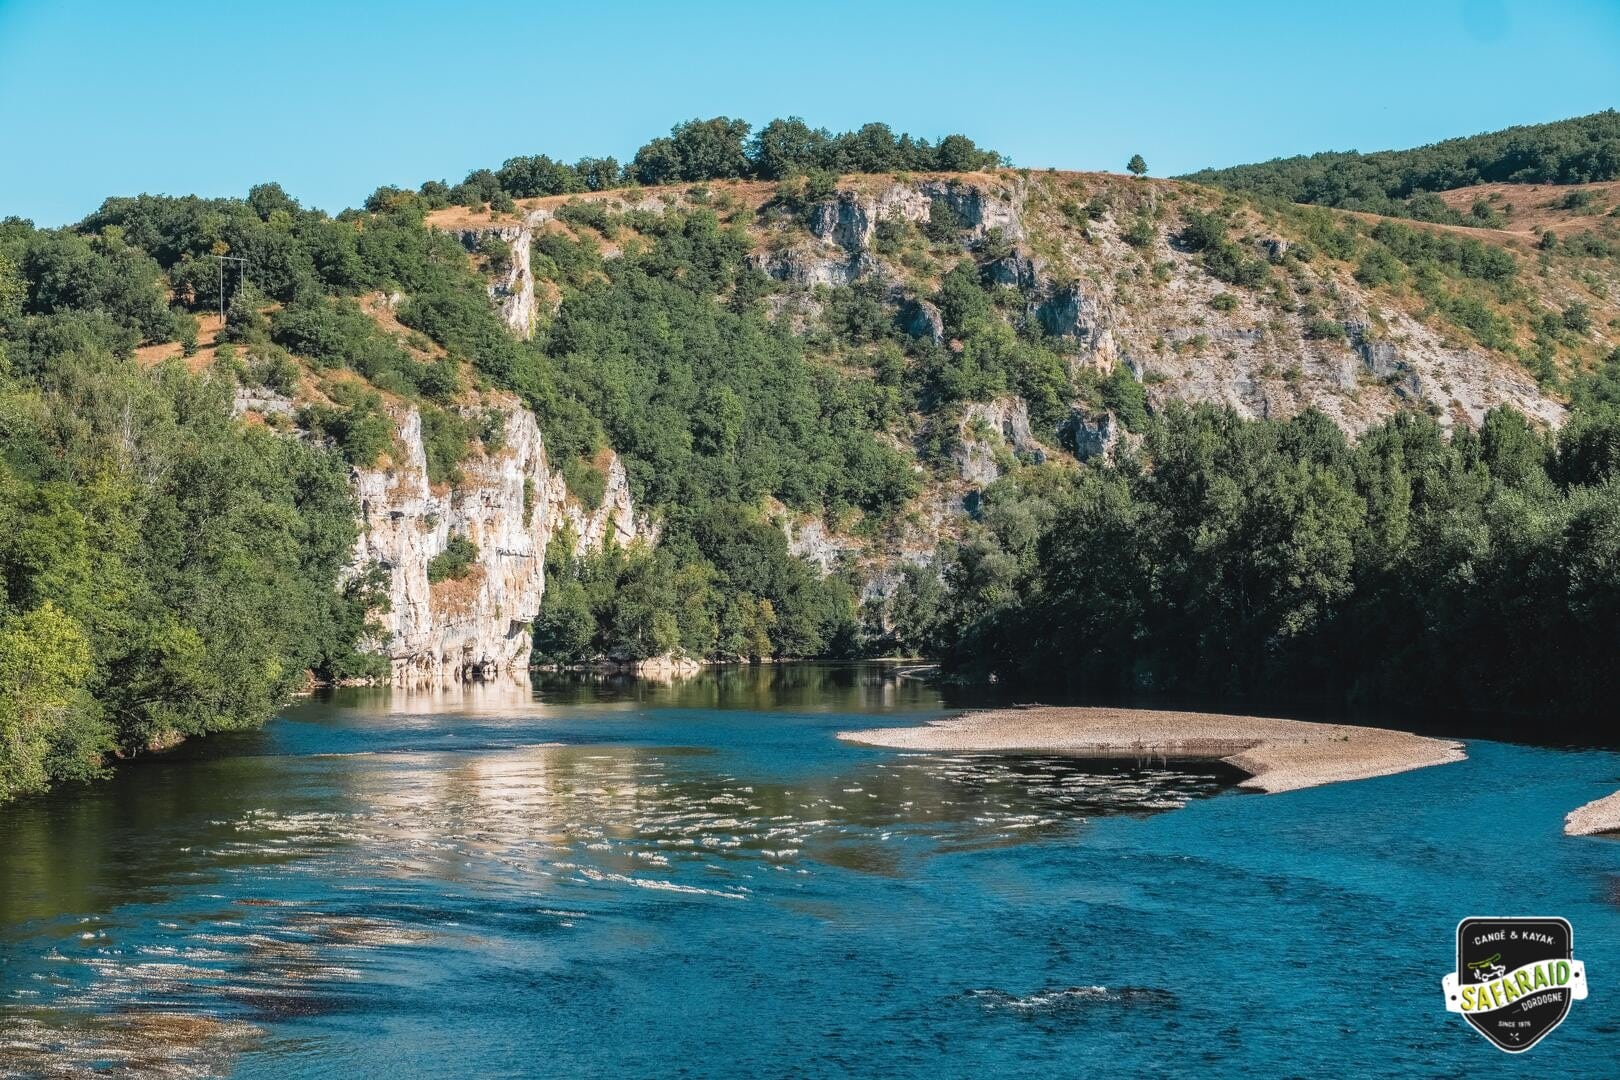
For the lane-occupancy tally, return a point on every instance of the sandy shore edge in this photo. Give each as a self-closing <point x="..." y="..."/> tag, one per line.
<point x="1598" y="816"/>
<point x="1278" y="755"/>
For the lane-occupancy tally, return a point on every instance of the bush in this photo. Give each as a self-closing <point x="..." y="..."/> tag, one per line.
<point x="1460" y="256"/>
<point x="1140" y="233"/>
<point x="589" y="212"/>
<point x="944" y="224"/>
<point x="1378" y="267"/>
<point x="1576" y="200"/>
<point x="585" y="482"/>
<point x="446" y="438"/>
<point x="1225" y="261"/>
<point x="273" y="370"/>
<point x="454" y="562"/>
<point x="1201" y="231"/>
<point x="1125" y="398"/>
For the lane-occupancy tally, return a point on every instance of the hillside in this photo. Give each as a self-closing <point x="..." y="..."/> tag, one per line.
<point x="1581" y="150"/>
<point x="1116" y="250"/>
<point x="741" y="418"/>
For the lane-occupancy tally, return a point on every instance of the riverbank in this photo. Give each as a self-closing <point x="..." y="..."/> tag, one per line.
<point x="1278" y="755"/>
<point x="1598" y="816"/>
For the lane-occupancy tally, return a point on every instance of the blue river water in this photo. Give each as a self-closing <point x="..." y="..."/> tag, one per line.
<point x="700" y="880"/>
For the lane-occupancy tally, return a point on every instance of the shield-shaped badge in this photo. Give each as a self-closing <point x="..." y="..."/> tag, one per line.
<point x="1515" y="978"/>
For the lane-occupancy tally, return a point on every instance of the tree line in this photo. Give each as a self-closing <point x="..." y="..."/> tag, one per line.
<point x="720" y="148"/>
<point x="1277" y="560"/>
<point x="1575" y="151"/>
<point x="164" y="570"/>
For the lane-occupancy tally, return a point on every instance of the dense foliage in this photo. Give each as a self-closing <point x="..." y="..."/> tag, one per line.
<point x="1573" y="151"/>
<point x="716" y="149"/>
<point x="1275" y="559"/>
<point x="163" y="571"/>
<point x="664" y="353"/>
<point x="725" y="586"/>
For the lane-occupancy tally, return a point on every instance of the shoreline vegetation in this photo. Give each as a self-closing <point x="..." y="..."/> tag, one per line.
<point x="1279" y="755"/>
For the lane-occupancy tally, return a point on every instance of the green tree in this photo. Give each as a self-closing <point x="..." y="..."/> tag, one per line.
<point x="47" y="723"/>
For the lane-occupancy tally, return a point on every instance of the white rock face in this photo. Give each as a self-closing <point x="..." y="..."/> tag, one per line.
<point x="810" y="540"/>
<point x="510" y="505"/>
<point x="988" y="426"/>
<point x="513" y="295"/>
<point x="980" y="209"/>
<point x="844" y="226"/>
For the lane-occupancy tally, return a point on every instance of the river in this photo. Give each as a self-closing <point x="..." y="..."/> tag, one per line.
<point x="621" y="878"/>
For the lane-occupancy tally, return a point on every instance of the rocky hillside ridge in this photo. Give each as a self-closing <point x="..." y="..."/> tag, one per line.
<point x="1105" y="299"/>
<point x="513" y="291"/>
<point x="1096" y="262"/>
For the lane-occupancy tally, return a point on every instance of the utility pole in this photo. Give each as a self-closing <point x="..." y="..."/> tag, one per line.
<point x="241" y="272"/>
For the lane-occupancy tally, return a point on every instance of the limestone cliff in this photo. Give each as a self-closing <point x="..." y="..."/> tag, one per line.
<point x="1086" y="289"/>
<point x="511" y="505"/>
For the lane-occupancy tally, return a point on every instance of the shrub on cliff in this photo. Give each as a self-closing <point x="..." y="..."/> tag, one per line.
<point x="453" y="563"/>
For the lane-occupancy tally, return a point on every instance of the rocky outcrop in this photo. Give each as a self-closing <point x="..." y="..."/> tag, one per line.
<point x="510" y="505"/>
<point x="980" y="209"/>
<point x="513" y="293"/>
<point x="1017" y="268"/>
<point x="1069" y="311"/>
<point x="849" y="219"/>
<point x="1383" y="360"/>
<point x="814" y="266"/>
<point x="988" y="431"/>
<point x="1092" y="436"/>
<point x="921" y="319"/>
<point x="810" y="540"/>
<point x="613" y="519"/>
<point x="844" y="226"/>
<point x="261" y="400"/>
<point x="1274" y="249"/>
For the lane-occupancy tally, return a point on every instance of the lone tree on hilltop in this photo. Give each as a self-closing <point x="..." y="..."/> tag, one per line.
<point x="1136" y="165"/>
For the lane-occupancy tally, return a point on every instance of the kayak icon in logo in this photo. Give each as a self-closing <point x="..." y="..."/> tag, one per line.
<point x="1515" y="978"/>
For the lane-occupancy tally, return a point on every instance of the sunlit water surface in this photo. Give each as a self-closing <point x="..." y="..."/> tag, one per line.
<point x="699" y="880"/>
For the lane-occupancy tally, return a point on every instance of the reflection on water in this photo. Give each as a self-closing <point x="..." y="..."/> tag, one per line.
<point x="855" y="688"/>
<point x="168" y="920"/>
<point x="602" y="877"/>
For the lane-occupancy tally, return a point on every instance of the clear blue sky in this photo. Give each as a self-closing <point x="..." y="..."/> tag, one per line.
<point x="333" y="99"/>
